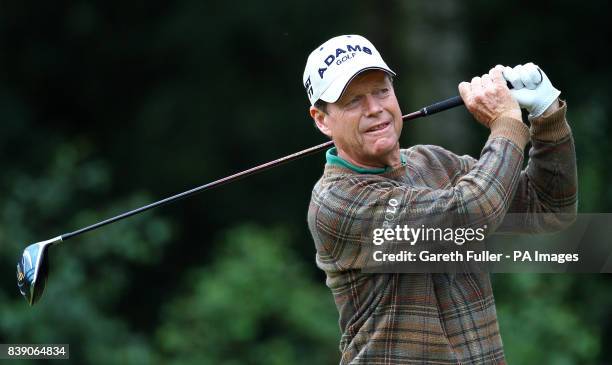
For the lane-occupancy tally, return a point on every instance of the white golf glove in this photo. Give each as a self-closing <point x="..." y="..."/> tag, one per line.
<point x="531" y="88"/>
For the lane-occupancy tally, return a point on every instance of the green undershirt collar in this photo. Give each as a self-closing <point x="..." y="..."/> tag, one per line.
<point x="332" y="158"/>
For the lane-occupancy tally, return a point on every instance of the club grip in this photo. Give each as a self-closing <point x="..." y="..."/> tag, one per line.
<point x="447" y="104"/>
<point x="442" y="105"/>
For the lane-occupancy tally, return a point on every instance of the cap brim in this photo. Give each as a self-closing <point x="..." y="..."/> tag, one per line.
<point x="337" y="87"/>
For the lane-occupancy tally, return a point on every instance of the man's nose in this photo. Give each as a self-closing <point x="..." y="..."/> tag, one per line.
<point x="373" y="106"/>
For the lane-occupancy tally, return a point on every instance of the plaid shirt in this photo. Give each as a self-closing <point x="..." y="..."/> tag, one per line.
<point x="430" y="318"/>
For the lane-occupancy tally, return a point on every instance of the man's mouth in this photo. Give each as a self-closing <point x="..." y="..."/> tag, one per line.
<point x="378" y="127"/>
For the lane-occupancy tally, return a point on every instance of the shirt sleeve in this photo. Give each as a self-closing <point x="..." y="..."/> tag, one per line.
<point x="546" y="194"/>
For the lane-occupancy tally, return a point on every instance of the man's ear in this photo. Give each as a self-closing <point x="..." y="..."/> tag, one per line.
<point x="320" y="120"/>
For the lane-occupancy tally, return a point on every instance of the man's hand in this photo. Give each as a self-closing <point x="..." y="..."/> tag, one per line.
<point x="531" y="88"/>
<point x="488" y="98"/>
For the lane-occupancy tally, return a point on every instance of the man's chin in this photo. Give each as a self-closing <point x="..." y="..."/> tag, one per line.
<point x="384" y="147"/>
<point x="385" y="154"/>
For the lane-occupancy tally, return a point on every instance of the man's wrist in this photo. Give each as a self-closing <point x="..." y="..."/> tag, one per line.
<point x="552" y="125"/>
<point x="552" y="108"/>
<point x="510" y="128"/>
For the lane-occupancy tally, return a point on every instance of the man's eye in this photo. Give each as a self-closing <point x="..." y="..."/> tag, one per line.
<point x="382" y="91"/>
<point x="354" y="101"/>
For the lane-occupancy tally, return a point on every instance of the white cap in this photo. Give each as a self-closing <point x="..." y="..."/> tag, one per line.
<point x="334" y="64"/>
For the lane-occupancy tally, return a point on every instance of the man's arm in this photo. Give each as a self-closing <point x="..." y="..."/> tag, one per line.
<point x="546" y="197"/>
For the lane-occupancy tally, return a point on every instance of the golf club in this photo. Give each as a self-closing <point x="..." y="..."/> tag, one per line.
<point x="33" y="268"/>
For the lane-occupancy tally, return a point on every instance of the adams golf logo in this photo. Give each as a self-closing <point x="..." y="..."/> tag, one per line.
<point x="343" y="55"/>
<point x="338" y="57"/>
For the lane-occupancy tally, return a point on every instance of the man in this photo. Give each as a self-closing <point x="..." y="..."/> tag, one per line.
<point x="426" y="318"/>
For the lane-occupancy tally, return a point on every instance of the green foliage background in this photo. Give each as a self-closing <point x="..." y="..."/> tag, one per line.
<point x="106" y="106"/>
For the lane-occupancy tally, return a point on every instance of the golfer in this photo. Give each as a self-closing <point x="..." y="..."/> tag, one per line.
<point x="426" y="318"/>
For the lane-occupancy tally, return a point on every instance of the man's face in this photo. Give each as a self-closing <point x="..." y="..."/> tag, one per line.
<point x="366" y="122"/>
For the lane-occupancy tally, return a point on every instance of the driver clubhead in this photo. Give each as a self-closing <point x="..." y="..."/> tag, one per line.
<point x="32" y="270"/>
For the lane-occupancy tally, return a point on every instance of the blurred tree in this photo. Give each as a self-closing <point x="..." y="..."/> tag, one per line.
<point x="552" y="319"/>
<point x="256" y="304"/>
<point x="90" y="277"/>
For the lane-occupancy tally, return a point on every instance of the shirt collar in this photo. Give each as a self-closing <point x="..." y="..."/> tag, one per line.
<point x="332" y="158"/>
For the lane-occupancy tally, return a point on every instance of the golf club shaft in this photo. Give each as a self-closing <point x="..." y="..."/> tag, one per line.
<point x="428" y="110"/>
